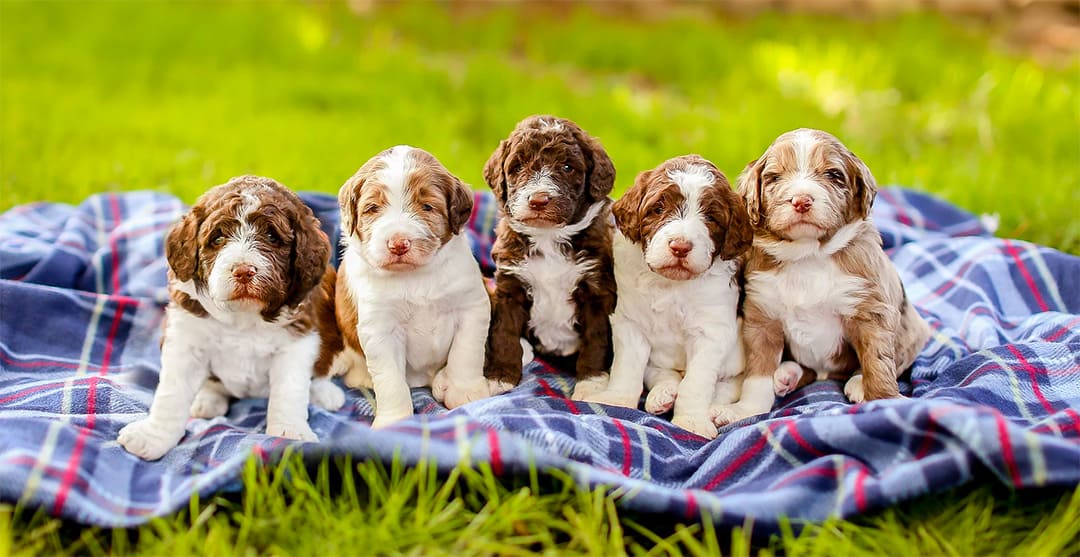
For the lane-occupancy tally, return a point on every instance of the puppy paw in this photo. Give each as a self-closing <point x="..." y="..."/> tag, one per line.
<point x="358" y="378"/>
<point x="614" y="398"/>
<point x="588" y="387"/>
<point x="527" y="354"/>
<point x="786" y="378"/>
<point x="853" y="389"/>
<point x="662" y="397"/>
<point x="148" y="440"/>
<point x="209" y="404"/>
<point x="300" y="431"/>
<point x="387" y="420"/>
<point x="700" y="425"/>
<point x="456" y="393"/>
<point x="327" y="395"/>
<point x="724" y="414"/>
<point x="498" y="386"/>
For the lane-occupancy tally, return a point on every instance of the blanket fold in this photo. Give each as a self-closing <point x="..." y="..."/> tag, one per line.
<point x="994" y="396"/>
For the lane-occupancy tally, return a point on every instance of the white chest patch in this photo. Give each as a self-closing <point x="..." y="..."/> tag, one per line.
<point x="810" y="297"/>
<point x="550" y="276"/>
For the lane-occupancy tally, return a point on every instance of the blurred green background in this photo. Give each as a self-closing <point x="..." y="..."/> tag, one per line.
<point x="177" y="97"/>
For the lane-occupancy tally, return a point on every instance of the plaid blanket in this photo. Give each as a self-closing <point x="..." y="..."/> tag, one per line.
<point x="994" y="396"/>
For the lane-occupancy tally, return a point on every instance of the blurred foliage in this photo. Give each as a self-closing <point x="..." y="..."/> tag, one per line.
<point x="180" y="96"/>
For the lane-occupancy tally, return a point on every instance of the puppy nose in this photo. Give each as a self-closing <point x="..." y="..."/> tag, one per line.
<point x="398" y="246"/>
<point x="802" y="203"/>
<point x="244" y="272"/>
<point x="538" y="201"/>
<point x="680" y="247"/>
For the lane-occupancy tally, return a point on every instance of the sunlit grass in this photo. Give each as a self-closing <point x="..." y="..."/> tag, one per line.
<point x="190" y="94"/>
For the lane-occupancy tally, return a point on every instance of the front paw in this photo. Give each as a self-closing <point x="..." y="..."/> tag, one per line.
<point x="209" y="404"/>
<point x="786" y="378"/>
<point x="386" y="420"/>
<point x="454" y="394"/>
<point x="853" y="389"/>
<point x="724" y="414"/>
<point x="700" y="425"/>
<point x="299" y="431"/>
<point x="589" y="387"/>
<point x="614" y="398"/>
<point x="148" y="440"/>
<point x="327" y="395"/>
<point x="358" y="378"/>
<point x="662" y="397"/>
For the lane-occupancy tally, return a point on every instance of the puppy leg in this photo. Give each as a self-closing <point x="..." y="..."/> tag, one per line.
<point x="326" y="395"/>
<point x="353" y="366"/>
<point x="871" y="332"/>
<point x="727" y="391"/>
<point x="756" y="398"/>
<point x="182" y="373"/>
<point x="628" y="368"/>
<point x="210" y="401"/>
<point x="462" y="380"/>
<point x="698" y="387"/>
<point x="663" y="385"/>
<point x="594" y="327"/>
<point x="290" y="390"/>
<point x="763" y="342"/>
<point x="504" y="353"/>
<point x="387" y="365"/>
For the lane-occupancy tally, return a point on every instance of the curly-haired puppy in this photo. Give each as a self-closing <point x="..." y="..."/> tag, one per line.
<point x="554" y="285"/>
<point x="251" y="315"/>
<point x="680" y="231"/>
<point x="821" y="295"/>
<point x="411" y="302"/>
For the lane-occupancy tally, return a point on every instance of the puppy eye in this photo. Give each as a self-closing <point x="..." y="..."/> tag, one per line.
<point x="428" y="207"/>
<point x="371" y="208"/>
<point x="770" y="178"/>
<point x="514" y="169"/>
<point x="218" y="241"/>
<point x="273" y="237"/>
<point x="658" y="209"/>
<point x="834" y="175"/>
<point x="567" y="168"/>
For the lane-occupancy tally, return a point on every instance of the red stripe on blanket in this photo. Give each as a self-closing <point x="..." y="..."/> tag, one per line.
<point x="1015" y="253"/>
<point x="548" y="391"/>
<point x="71" y="471"/>
<point x="860" y="488"/>
<point x="496" y="453"/>
<point x="1034" y="373"/>
<point x="1007" y="451"/>
<point x="794" y="432"/>
<point x="737" y="463"/>
<point x="627" y="452"/>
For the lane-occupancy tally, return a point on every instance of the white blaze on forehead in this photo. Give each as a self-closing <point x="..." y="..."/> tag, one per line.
<point x="550" y="125"/>
<point x="802" y="142"/>
<point x="397" y="165"/>
<point x="691" y="180"/>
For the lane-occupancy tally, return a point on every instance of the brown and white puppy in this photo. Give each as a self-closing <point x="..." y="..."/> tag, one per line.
<point x="250" y="316"/>
<point x="821" y="296"/>
<point x="681" y="229"/>
<point x="554" y="285"/>
<point x="411" y="302"/>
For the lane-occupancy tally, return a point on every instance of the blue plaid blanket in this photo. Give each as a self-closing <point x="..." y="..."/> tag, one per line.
<point x="994" y="397"/>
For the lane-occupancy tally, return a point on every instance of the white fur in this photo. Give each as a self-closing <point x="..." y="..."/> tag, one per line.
<point x="539" y="182"/>
<point x="252" y="358"/>
<point x="679" y="337"/>
<point x="418" y="327"/>
<point x="551" y="277"/>
<point x="687" y="225"/>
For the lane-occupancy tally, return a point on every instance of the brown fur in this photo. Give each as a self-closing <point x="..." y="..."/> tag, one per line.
<point x="532" y="145"/>
<point x="885" y="333"/>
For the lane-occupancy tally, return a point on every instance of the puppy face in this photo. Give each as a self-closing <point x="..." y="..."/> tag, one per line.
<point x="548" y="172"/>
<point x="806" y="186"/>
<point x="401" y="207"/>
<point x="684" y="215"/>
<point x="249" y="245"/>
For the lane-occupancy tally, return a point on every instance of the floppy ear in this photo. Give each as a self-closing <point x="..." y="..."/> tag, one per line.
<point x="863" y="184"/>
<point x="310" y="253"/>
<point x="627" y="210"/>
<point x="459" y="205"/>
<point x="348" y="198"/>
<point x="738" y="234"/>
<point x="494" y="174"/>
<point x="749" y="187"/>
<point x="600" y="174"/>
<point x="182" y="244"/>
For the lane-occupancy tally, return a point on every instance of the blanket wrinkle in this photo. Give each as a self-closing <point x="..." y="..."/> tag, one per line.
<point x="993" y="397"/>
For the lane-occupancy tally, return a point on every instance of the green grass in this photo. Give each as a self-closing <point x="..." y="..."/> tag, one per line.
<point x="98" y="96"/>
<point x="177" y="97"/>
<point x="339" y="508"/>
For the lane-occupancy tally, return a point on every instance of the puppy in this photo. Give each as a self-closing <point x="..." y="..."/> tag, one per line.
<point x="554" y="284"/>
<point x="680" y="231"/>
<point x="821" y="295"/>
<point x="251" y="315"/>
<point x="411" y="302"/>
